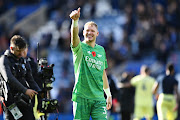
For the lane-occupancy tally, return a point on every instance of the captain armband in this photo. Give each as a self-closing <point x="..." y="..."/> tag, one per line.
<point x="107" y="91"/>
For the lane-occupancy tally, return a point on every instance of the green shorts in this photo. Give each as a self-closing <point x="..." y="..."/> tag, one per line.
<point x="84" y="108"/>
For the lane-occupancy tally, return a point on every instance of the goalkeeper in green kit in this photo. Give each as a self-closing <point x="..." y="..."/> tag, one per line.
<point x="91" y="80"/>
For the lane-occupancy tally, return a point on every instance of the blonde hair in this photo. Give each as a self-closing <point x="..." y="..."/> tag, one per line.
<point x="91" y="23"/>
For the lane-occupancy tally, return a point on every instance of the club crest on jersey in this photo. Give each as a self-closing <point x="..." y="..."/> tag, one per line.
<point x="94" y="54"/>
<point x="98" y="55"/>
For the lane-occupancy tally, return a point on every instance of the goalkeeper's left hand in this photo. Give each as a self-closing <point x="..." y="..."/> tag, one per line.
<point x="109" y="102"/>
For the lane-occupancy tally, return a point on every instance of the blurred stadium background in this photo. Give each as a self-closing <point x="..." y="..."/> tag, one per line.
<point x="133" y="32"/>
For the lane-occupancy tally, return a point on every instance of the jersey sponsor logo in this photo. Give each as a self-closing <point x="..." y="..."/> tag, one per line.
<point x="93" y="63"/>
<point x="94" y="54"/>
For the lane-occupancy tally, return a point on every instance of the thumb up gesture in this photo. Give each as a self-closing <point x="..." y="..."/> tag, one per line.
<point x="75" y="14"/>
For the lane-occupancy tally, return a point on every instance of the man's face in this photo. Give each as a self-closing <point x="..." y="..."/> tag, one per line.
<point x="25" y="53"/>
<point x="19" y="52"/>
<point x="90" y="33"/>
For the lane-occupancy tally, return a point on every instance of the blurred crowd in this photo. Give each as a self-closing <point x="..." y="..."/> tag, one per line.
<point x="130" y="30"/>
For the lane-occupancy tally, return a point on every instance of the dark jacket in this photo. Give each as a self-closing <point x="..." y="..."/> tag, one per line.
<point x="17" y="73"/>
<point x="126" y="97"/>
<point x="34" y="67"/>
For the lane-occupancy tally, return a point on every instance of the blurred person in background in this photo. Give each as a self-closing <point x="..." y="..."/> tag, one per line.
<point x="177" y="76"/>
<point x="90" y="76"/>
<point x="143" y="84"/>
<point x="167" y="104"/>
<point x="126" y="98"/>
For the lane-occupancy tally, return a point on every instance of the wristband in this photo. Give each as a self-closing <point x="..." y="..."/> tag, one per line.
<point x="75" y="23"/>
<point x="107" y="91"/>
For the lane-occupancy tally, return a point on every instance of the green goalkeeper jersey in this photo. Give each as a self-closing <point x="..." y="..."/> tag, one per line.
<point x="89" y="64"/>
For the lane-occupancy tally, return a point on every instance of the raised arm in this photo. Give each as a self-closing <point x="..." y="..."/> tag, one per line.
<point x="74" y="27"/>
<point x="124" y="85"/>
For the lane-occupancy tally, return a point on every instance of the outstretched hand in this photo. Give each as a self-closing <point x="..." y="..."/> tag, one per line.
<point x="75" y="14"/>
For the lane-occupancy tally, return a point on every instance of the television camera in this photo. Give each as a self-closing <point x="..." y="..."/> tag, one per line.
<point x="45" y="72"/>
<point x="46" y="75"/>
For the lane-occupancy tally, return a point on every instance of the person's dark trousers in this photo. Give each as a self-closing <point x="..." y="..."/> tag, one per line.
<point x="27" y="113"/>
<point x="125" y="115"/>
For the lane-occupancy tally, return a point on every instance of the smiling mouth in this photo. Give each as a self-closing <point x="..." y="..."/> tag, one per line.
<point x="89" y="36"/>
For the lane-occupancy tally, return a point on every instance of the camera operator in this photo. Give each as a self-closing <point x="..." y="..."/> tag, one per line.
<point x="42" y="73"/>
<point x="34" y="69"/>
<point x="17" y="72"/>
<point x="38" y="80"/>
